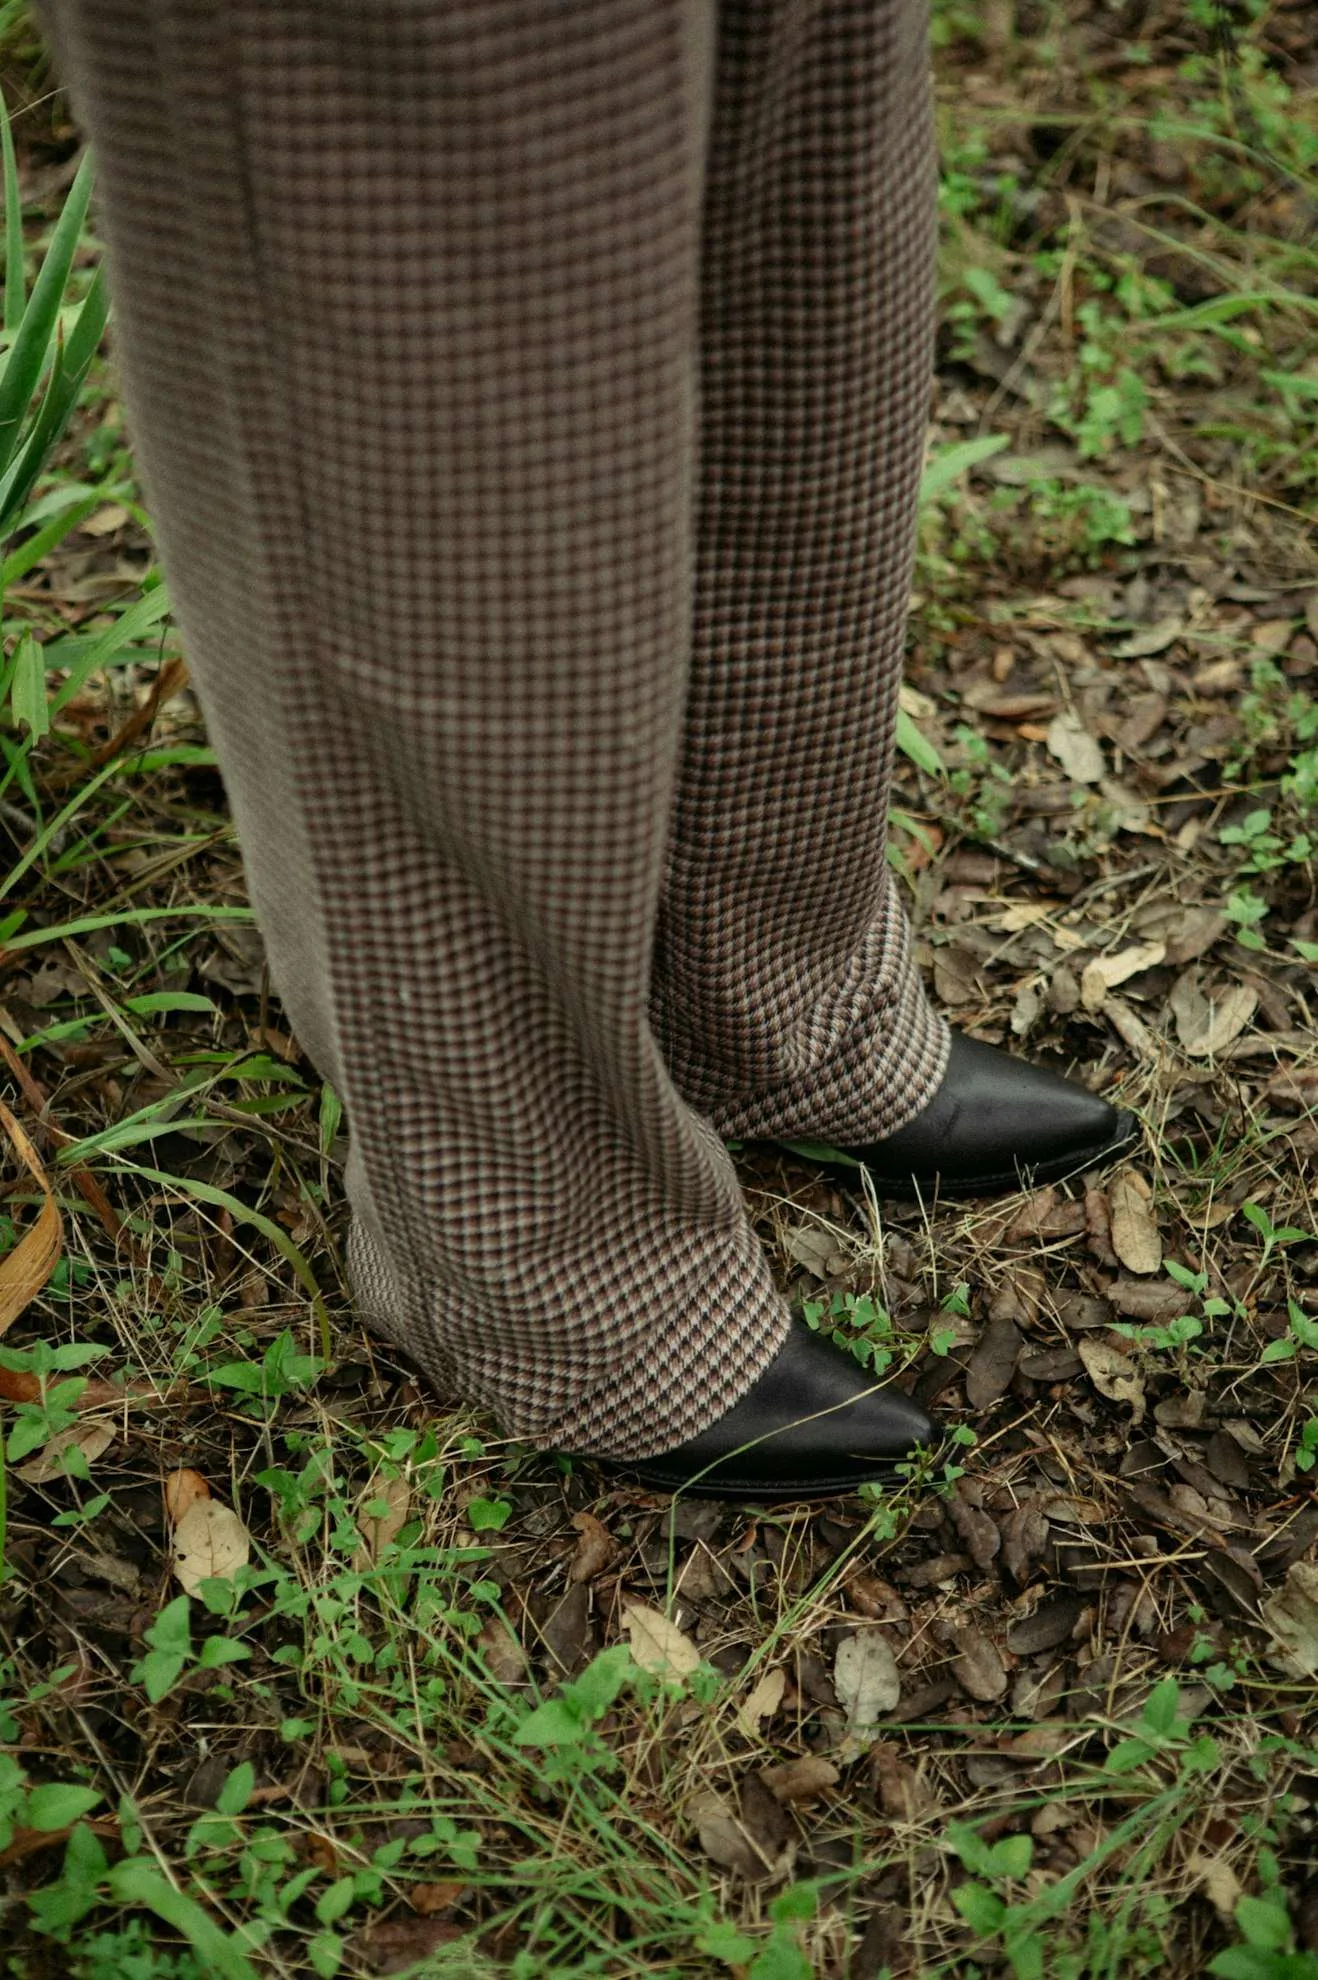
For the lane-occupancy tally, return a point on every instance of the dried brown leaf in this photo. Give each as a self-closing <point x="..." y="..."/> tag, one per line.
<point x="379" y="1529"/>
<point x="92" y="1437"/>
<point x="993" y="1363"/>
<point x="1113" y="1374"/>
<point x="800" y="1781"/>
<point x="595" y="1550"/>
<point x="25" y="1270"/>
<point x="1135" y="1236"/>
<point x="1105" y="972"/>
<point x="866" y="1682"/>
<point x="182" y="1490"/>
<point x="977" y="1665"/>
<point x="1075" y="749"/>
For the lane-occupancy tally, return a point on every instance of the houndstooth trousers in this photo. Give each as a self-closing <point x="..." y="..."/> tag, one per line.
<point x="530" y="396"/>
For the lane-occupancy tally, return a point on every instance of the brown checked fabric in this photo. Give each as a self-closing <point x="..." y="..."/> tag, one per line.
<point x="530" y="396"/>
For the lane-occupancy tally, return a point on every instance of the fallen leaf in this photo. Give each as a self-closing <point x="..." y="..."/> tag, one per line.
<point x="1205" y="1026"/>
<point x="1142" y="645"/>
<point x="1291" y="1616"/>
<point x="1051" y="1624"/>
<point x="566" y="1630"/>
<point x="1044" y="1740"/>
<point x="394" y="1945"/>
<point x="817" y="1250"/>
<point x="975" y="1530"/>
<point x="1272" y="636"/>
<point x="1294" y="1086"/>
<point x="1105" y="972"/>
<point x="977" y="1666"/>
<point x="723" y="1838"/>
<point x="658" y="1645"/>
<point x="504" y="1656"/>
<point x="1193" y="933"/>
<point x="427" y="1899"/>
<point x="1135" y="1236"/>
<point x="761" y="1703"/>
<point x="903" y="1795"/>
<point x="867" y="1685"/>
<point x="876" y="1599"/>
<point x="377" y="1530"/>
<point x="1142" y="1299"/>
<point x="25" y="1270"/>
<point x="105" y="521"/>
<point x="1024" y="1539"/>
<point x="993" y="1363"/>
<point x="1113" y="1374"/>
<point x="1145" y="715"/>
<point x="182" y="1491"/>
<point x="594" y="1550"/>
<point x="92" y="1438"/>
<point x="209" y="1541"/>
<point x="800" y="1780"/>
<point x="1222" y="1887"/>
<point x="1130" y="1029"/>
<point x="1075" y="749"/>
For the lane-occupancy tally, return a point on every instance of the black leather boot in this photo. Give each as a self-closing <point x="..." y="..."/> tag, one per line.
<point x="995" y="1124"/>
<point x="814" y="1424"/>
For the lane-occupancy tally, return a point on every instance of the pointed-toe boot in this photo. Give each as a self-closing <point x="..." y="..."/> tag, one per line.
<point x="814" y="1424"/>
<point x="996" y="1123"/>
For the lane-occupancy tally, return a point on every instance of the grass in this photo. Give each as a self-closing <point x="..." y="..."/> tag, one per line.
<point x="300" y="1674"/>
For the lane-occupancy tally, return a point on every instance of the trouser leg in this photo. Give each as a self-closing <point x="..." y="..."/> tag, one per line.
<point x="784" y="988"/>
<point x="406" y="306"/>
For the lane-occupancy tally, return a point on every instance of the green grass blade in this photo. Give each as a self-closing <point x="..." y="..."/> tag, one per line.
<point x="137" y="1882"/>
<point x="72" y="362"/>
<point x="87" y="924"/>
<point x="946" y="465"/>
<point x="31" y="346"/>
<point x="48" y="832"/>
<point x="27" y="689"/>
<point x="15" y="283"/>
<point x="129" y="626"/>
<point x="918" y="747"/>
<point x="243" y="1213"/>
<point x="43" y="541"/>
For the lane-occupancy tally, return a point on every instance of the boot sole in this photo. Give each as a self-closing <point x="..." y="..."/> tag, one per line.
<point x="953" y="1188"/>
<point x="757" y="1490"/>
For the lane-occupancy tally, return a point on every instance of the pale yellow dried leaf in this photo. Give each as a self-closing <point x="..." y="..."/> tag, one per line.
<point x="867" y="1684"/>
<point x="761" y="1703"/>
<point x="377" y="1532"/>
<point x="658" y="1645"/>
<point x="210" y="1542"/>
<point x="1135" y="1236"/>
<point x="92" y="1437"/>
<point x="1075" y="749"/>
<point x="1291" y="1616"/>
<point x="1219" y="1023"/>
<point x="1105" y="972"/>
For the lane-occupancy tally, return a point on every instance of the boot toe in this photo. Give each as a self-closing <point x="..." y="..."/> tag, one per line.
<point x="814" y="1424"/>
<point x="998" y="1122"/>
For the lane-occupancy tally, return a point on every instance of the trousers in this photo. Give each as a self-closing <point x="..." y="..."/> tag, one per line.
<point x="530" y="399"/>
